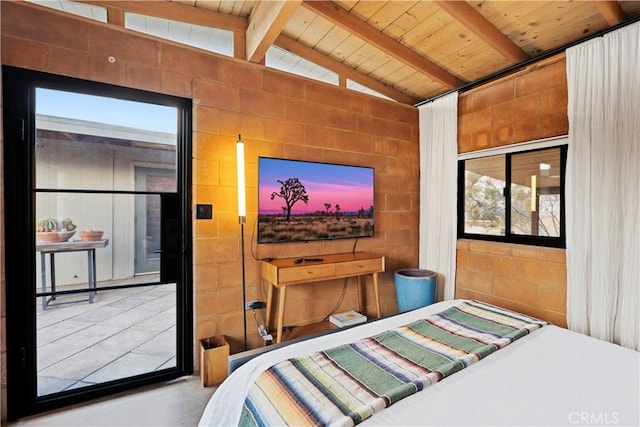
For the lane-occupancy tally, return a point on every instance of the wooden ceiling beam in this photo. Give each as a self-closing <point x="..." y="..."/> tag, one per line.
<point x="309" y="54"/>
<point x="115" y="16"/>
<point x="464" y="13"/>
<point x="266" y="22"/>
<point x="339" y="16"/>
<point x="176" y="12"/>
<point x="611" y="11"/>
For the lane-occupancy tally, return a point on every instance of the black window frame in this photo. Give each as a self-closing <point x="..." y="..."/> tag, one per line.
<point x="509" y="237"/>
<point x="18" y="96"/>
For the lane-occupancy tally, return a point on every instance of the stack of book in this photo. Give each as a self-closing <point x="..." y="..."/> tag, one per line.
<point x="347" y="318"/>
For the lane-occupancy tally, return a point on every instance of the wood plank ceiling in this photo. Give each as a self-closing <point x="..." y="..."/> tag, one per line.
<point x="407" y="50"/>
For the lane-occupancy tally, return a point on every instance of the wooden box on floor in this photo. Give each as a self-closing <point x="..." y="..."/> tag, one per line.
<point x="214" y="353"/>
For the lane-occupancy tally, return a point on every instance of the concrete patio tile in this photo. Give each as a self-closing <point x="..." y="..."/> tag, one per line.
<point x="128" y="365"/>
<point x="129" y="318"/>
<point x="48" y="385"/>
<point x="58" y="313"/>
<point x="151" y="294"/>
<point x="128" y="303"/>
<point x="163" y="344"/>
<point x="161" y="290"/>
<point x="80" y="365"/>
<point x="60" y="330"/>
<point x="126" y="340"/>
<point x="90" y="336"/>
<point x="79" y="384"/>
<point x="160" y="304"/>
<point x="99" y="314"/>
<point x="52" y="353"/>
<point x="124" y="332"/>
<point x="171" y="363"/>
<point x="160" y="321"/>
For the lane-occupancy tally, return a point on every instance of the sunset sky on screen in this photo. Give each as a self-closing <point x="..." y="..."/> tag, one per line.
<point x="349" y="186"/>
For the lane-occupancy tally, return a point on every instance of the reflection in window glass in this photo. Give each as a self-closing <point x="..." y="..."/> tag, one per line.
<point x="535" y="193"/>
<point x="484" y="203"/>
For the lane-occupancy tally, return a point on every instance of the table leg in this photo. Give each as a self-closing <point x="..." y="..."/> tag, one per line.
<point x="91" y="266"/>
<point x="268" y="307"/>
<point x="52" y="261"/>
<point x="360" y="296"/>
<point x="43" y="278"/>
<point x="376" y="292"/>
<point x="282" y="291"/>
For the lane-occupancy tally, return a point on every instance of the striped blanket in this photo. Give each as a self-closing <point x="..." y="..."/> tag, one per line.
<point x="347" y="384"/>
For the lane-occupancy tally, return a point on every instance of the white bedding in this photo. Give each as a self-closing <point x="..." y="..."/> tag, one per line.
<point x="553" y="377"/>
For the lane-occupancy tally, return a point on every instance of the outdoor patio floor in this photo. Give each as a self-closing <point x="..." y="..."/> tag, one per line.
<point x="124" y="332"/>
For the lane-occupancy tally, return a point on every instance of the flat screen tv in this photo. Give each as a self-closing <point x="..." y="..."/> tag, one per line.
<point x="302" y="201"/>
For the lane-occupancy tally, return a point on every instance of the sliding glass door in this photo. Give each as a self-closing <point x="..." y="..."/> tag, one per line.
<point x="101" y="271"/>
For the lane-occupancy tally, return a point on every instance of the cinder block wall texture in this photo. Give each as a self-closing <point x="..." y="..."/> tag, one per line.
<point x="527" y="106"/>
<point x="278" y="115"/>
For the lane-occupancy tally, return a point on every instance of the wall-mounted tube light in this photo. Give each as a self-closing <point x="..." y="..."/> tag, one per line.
<point x="242" y="217"/>
<point x="242" y="199"/>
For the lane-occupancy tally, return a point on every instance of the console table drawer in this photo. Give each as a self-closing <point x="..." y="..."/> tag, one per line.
<point x="284" y="272"/>
<point x="363" y="266"/>
<point x="307" y="273"/>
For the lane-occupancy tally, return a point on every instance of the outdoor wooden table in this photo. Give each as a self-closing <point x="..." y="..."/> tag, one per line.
<point x="72" y="246"/>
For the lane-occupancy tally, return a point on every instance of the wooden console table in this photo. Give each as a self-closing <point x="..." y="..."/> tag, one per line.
<point x="284" y="272"/>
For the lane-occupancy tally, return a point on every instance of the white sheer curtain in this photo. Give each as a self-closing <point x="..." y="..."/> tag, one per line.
<point x="603" y="187"/>
<point x="438" y="189"/>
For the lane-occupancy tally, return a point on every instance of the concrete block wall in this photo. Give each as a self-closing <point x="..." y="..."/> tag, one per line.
<point x="526" y="106"/>
<point x="528" y="279"/>
<point x="278" y="115"/>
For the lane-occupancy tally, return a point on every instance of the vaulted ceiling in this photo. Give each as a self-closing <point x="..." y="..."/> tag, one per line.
<point x="407" y="50"/>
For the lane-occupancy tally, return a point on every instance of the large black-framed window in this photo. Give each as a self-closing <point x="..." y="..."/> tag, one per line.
<point x="514" y="197"/>
<point x="30" y="149"/>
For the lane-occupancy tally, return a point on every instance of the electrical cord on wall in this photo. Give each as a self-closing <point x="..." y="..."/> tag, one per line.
<point x="263" y="330"/>
<point x="253" y="255"/>
<point x="340" y="298"/>
<point x="344" y="288"/>
<point x="253" y="233"/>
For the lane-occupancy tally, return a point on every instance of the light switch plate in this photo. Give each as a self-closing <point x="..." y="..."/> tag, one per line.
<point x="204" y="211"/>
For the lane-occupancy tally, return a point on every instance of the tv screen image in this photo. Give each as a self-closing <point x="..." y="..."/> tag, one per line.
<point x="303" y="201"/>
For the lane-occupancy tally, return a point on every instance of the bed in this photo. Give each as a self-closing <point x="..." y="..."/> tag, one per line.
<point x="548" y="377"/>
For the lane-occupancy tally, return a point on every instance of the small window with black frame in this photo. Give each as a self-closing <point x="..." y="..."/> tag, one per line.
<point x="514" y="197"/>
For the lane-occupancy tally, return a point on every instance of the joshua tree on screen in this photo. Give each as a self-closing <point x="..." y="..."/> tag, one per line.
<point x="327" y="206"/>
<point x="291" y="191"/>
